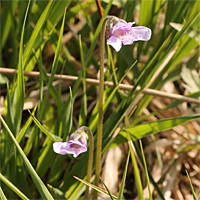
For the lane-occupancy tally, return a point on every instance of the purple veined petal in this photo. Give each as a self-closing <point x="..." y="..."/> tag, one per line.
<point x="74" y="147"/>
<point x="117" y="26"/>
<point x="128" y="41"/>
<point x="141" y="33"/>
<point x="59" y="147"/>
<point x="115" y="43"/>
<point x="121" y="25"/>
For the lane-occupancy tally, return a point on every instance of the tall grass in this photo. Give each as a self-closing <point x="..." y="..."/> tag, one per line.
<point x="62" y="37"/>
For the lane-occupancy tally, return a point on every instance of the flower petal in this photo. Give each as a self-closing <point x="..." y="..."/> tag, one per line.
<point x="59" y="147"/>
<point x="121" y="25"/>
<point x="74" y="147"/>
<point x="128" y="41"/>
<point x="141" y="33"/>
<point x="115" y="43"/>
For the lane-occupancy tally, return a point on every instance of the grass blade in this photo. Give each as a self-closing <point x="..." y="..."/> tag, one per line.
<point x="123" y="179"/>
<point x="2" y="195"/>
<point x="50" y="135"/>
<point x="107" y="189"/>
<point x="142" y="130"/>
<point x="83" y="114"/>
<point x="35" y="33"/>
<point x="20" y="80"/>
<point x="192" y="189"/>
<point x="36" y="179"/>
<point x="54" y="67"/>
<point x="134" y="163"/>
<point x="146" y="171"/>
<point x="13" y="187"/>
<point x="94" y="187"/>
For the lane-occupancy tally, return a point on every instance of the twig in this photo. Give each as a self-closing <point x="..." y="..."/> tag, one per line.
<point x="90" y="81"/>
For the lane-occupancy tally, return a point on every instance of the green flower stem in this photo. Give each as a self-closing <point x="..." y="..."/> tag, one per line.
<point x="90" y="160"/>
<point x="101" y="88"/>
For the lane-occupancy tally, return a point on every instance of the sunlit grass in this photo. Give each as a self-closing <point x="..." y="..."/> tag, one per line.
<point x="152" y="86"/>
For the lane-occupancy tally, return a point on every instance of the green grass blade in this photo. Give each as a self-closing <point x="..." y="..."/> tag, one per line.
<point x="150" y="176"/>
<point x="20" y="80"/>
<point x="94" y="118"/>
<point x="83" y="114"/>
<point x="135" y="167"/>
<point x="145" y="12"/>
<point x="123" y="179"/>
<point x="193" y="33"/>
<point x="107" y="189"/>
<point x="24" y="129"/>
<point x="57" y="10"/>
<point x="75" y="9"/>
<point x="146" y="171"/>
<point x="70" y="115"/>
<point x="6" y="14"/>
<point x="13" y="187"/>
<point x="50" y="135"/>
<point x="192" y="189"/>
<point x="36" y="179"/>
<point x="94" y="187"/>
<point x="2" y="195"/>
<point x="54" y="66"/>
<point x="36" y="33"/>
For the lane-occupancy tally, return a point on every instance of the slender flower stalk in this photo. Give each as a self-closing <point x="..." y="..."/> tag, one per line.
<point x="101" y="88"/>
<point x="118" y="32"/>
<point x="90" y="160"/>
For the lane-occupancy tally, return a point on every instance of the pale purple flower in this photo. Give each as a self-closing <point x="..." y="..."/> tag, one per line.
<point x="126" y="34"/>
<point x="76" y="145"/>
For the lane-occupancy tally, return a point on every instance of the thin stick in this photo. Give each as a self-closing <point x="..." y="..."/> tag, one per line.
<point x="90" y="81"/>
<point x="98" y="3"/>
<point x="90" y="160"/>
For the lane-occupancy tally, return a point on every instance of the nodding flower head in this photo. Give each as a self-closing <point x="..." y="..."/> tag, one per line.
<point x="76" y="144"/>
<point x="123" y="32"/>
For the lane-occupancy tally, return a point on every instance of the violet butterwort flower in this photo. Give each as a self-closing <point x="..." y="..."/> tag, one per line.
<point x="126" y="34"/>
<point x="76" y="145"/>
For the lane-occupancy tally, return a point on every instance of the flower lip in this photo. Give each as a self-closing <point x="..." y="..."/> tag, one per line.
<point x="126" y="34"/>
<point x="74" y="147"/>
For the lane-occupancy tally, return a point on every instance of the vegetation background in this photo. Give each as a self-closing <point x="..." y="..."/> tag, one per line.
<point x="47" y="39"/>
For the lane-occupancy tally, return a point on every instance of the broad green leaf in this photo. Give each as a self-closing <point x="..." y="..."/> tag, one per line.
<point x="142" y="130"/>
